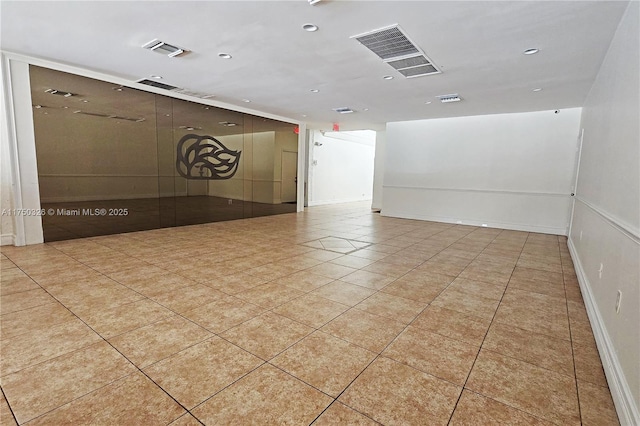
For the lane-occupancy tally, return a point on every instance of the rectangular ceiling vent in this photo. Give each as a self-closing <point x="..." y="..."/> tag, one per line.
<point x="395" y="48"/>
<point x="343" y="110"/>
<point x="157" y="84"/>
<point x="445" y="99"/>
<point x="164" y="48"/>
<point x="60" y="93"/>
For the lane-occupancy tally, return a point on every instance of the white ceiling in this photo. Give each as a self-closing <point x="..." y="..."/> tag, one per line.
<point x="275" y="64"/>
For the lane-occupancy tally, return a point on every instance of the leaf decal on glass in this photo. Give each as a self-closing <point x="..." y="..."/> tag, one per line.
<point x="205" y="157"/>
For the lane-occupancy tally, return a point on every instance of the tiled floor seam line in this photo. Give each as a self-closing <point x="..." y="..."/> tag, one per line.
<point x="9" y="405"/>
<point x="573" y="357"/>
<point x="488" y="328"/>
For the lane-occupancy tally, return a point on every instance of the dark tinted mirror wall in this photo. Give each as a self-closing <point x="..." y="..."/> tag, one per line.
<point x="113" y="159"/>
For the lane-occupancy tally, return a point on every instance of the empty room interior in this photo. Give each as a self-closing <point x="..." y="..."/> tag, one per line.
<point x="320" y="212"/>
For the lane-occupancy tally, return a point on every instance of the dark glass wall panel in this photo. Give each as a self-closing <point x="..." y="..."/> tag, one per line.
<point x="151" y="161"/>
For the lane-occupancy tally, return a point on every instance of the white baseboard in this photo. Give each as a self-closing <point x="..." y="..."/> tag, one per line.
<point x="488" y="224"/>
<point x="7" y="240"/>
<point x="327" y="202"/>
<point x="628" y="412"/>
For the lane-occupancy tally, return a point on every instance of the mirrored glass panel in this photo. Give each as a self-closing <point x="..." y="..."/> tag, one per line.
<point x="112" y="159"/>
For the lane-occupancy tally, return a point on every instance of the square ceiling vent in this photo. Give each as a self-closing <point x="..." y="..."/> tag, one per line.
<point x="395" y="48"/>
<point x="164" y="48"/>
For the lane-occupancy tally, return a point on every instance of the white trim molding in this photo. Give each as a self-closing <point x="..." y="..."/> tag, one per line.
<point x="628" y="411"/>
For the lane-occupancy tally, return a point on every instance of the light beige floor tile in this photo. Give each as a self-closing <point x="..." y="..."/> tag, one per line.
<point x="223" y="313"/>
<point x="368" y="279"/>
<point x="196" y="373"/>
<point x="478" y="288"/>
<point x="538" y="349"/>
<point x="187" y="298"/>
<point x="540" y="392"/>
<point x="6" y="416"/>
<point x="233" y="284"/>
<point x="534" y="312"/>
<point x="312" y="310"/>
<point x="581" y="333"/>
<point x="367" y="330"/>
<point x="270" y="295"/>
<point x="345" y="293"/>
<point x="453" y="324"/>
<point x="15" y="302"/>
<point x="18" y="353"/>
<point x="111" y="322"/>
<point x="596" y="405"/>
<point x="267" y="335"/>
<point x="304" y="281"/>
<point x="185" y="420"/>
<point x="588" y="364"/>
<point x="432" y="353"/>
<point x="392" y="307"/>
<point x="67" y="377"/>
<point x="264" y="397"/>
<point x="32" y="320"/>
<point x="331" y="270"/>
<point x="466" y="303"/>
<point x="151" y="343"/>
<point x="339" y="414"/>
<point x="474" y="410"/>
<point x="395" y="394"/>
<point x="18" y="283"/>
<point x="325" y="362"/>
<point x="390" y="269"/>
<point x="131" y="400"/>
<point x="352" y="261"/>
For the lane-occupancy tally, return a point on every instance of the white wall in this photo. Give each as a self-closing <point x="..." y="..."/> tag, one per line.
<point x="512" y="171"/>
<point x="6" y="190"/>
<point x="341" y="167"/>
<point x="378" y="172"/>
<point x="606" y="218"/>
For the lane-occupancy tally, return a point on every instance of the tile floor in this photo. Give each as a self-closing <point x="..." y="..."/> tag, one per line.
<point x="250" y="322"/>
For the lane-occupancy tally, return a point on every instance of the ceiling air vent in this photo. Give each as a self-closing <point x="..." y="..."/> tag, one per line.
<point x="164" y="48"/>
<point x="157" y="84"/>
<point x="343" y="110"/>
<point x="445" y="99"/>
<point x="393" y="46"/>
<point x="60" y="93"/>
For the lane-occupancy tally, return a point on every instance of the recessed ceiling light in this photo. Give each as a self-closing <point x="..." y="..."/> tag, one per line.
<point x="530" y="51"/>
<point x="428" y="102"/>
<point x="310" y="27"/>
<point x="246" y="100"/>
<point x="304" y="115"/>
<point x="314" y="90"/>
<point x="366" y="109"/>
<point x="157" y="77"/>
<point x="224" y="55"/>
<point x="388" y="77"/>
<point x="537" y="89"/>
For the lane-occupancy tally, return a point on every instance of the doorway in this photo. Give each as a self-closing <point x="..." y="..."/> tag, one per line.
<point x="289" y="177"/>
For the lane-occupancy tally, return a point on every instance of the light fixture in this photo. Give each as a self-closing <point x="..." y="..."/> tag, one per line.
<point x="314" y="90"/>
<point x="313" y="2"/>
<point x="532" y="51"/>
<point x="246" y="100"/>
<point x="304" y="115"/>
<point x="157" y="77"/>
<point x="343" y="110"/>
<point x="85" y="101"/>
<point x="428" y="103"/>
<point x="310" y="27"/>
<point x="37" y="106"/>
<point x="366" y="109"/>
<point x="388" y="77"/>
<point x="224" y="55"/>
<point x="537" y="89"/>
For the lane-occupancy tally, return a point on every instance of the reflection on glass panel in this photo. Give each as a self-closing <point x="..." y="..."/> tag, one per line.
<point x="151" y="161"/>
